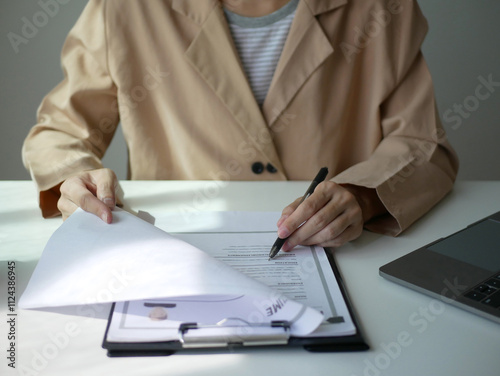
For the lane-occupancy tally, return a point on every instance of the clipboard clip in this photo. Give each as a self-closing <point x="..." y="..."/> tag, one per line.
<point x="234" y="332"/>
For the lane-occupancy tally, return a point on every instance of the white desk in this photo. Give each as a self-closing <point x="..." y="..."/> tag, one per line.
<point x="439" y="339"/>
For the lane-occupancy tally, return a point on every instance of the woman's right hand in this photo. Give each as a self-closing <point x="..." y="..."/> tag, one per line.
<point x="94" y="191"/>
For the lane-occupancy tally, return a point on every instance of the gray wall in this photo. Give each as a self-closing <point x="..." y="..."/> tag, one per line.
<point x="462" y="50"/>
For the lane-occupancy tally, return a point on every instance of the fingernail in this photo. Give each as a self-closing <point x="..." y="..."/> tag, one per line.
<point x="105" y="217"/>
<point x="110" y="203"/>
<point x="283" y="232"/>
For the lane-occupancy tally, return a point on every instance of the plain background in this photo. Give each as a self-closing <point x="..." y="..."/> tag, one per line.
<point x="462" y="48"/>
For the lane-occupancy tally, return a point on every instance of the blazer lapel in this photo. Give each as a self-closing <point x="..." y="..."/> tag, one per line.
<point x="213" y="55"/>
<point x="306" y="48"/>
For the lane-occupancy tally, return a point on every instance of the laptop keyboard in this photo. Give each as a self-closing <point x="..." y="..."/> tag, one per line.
<point x="487" y="292"/>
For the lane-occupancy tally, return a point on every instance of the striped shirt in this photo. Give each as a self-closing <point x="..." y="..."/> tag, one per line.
<point x="259" y="42"/>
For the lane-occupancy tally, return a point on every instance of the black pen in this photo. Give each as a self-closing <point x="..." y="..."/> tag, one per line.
<point x="318" y="179"/>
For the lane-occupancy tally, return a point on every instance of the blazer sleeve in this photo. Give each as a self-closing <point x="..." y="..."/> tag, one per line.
<point x="414" y="166"/>
<point x="77" y="119"/>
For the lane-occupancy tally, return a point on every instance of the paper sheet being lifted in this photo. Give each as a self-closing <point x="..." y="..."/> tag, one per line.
<point x="87" y="261"/>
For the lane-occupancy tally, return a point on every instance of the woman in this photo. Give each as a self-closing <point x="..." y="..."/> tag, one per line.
<point x="250" y="90"/>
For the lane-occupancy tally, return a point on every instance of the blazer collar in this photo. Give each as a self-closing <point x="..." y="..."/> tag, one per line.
<point x="213" y="55"/>
<point x="306" y="48"/>
<point x="196" y="10"/>
<point x="321" y="6"/>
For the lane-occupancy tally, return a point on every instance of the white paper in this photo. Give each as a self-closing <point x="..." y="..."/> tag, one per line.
<point x="87" y="261"/>
<point x="241" y="240"/>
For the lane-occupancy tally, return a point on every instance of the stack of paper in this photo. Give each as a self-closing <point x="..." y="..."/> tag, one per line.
<point x="207" y="275"/>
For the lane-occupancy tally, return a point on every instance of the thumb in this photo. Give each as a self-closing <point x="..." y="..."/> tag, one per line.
<point x="106" y="186"/>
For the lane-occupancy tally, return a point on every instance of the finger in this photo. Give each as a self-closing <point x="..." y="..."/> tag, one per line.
<point x="331" y="220"/>
<point x="90" y="203"/>
<point x="338" y="232"/>
<point x="79" y="192"/>
<point x="350" y="233"/>
<point x="304" y="211"/>
<point x="288" y="210"/>
<point x="340" y="213"/>
<point x="322" y="225"/>
<point x="317" y="228"/>
<point x="282" y="218"/>
<point x="66" y="207"/>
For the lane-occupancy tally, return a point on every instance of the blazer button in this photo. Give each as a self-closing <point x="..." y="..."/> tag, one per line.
<point x="258" y="168"/>
<point x="270" y="168"/>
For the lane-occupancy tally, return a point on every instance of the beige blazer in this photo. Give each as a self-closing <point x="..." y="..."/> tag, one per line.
<point x="351" y="92"/>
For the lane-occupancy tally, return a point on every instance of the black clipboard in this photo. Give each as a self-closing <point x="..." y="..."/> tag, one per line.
<point x="355" y="342"/>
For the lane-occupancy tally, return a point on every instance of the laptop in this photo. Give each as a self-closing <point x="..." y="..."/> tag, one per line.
<point x="462" y="269"/>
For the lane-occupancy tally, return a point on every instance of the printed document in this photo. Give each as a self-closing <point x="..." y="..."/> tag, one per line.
<point x="211" y="269"/>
